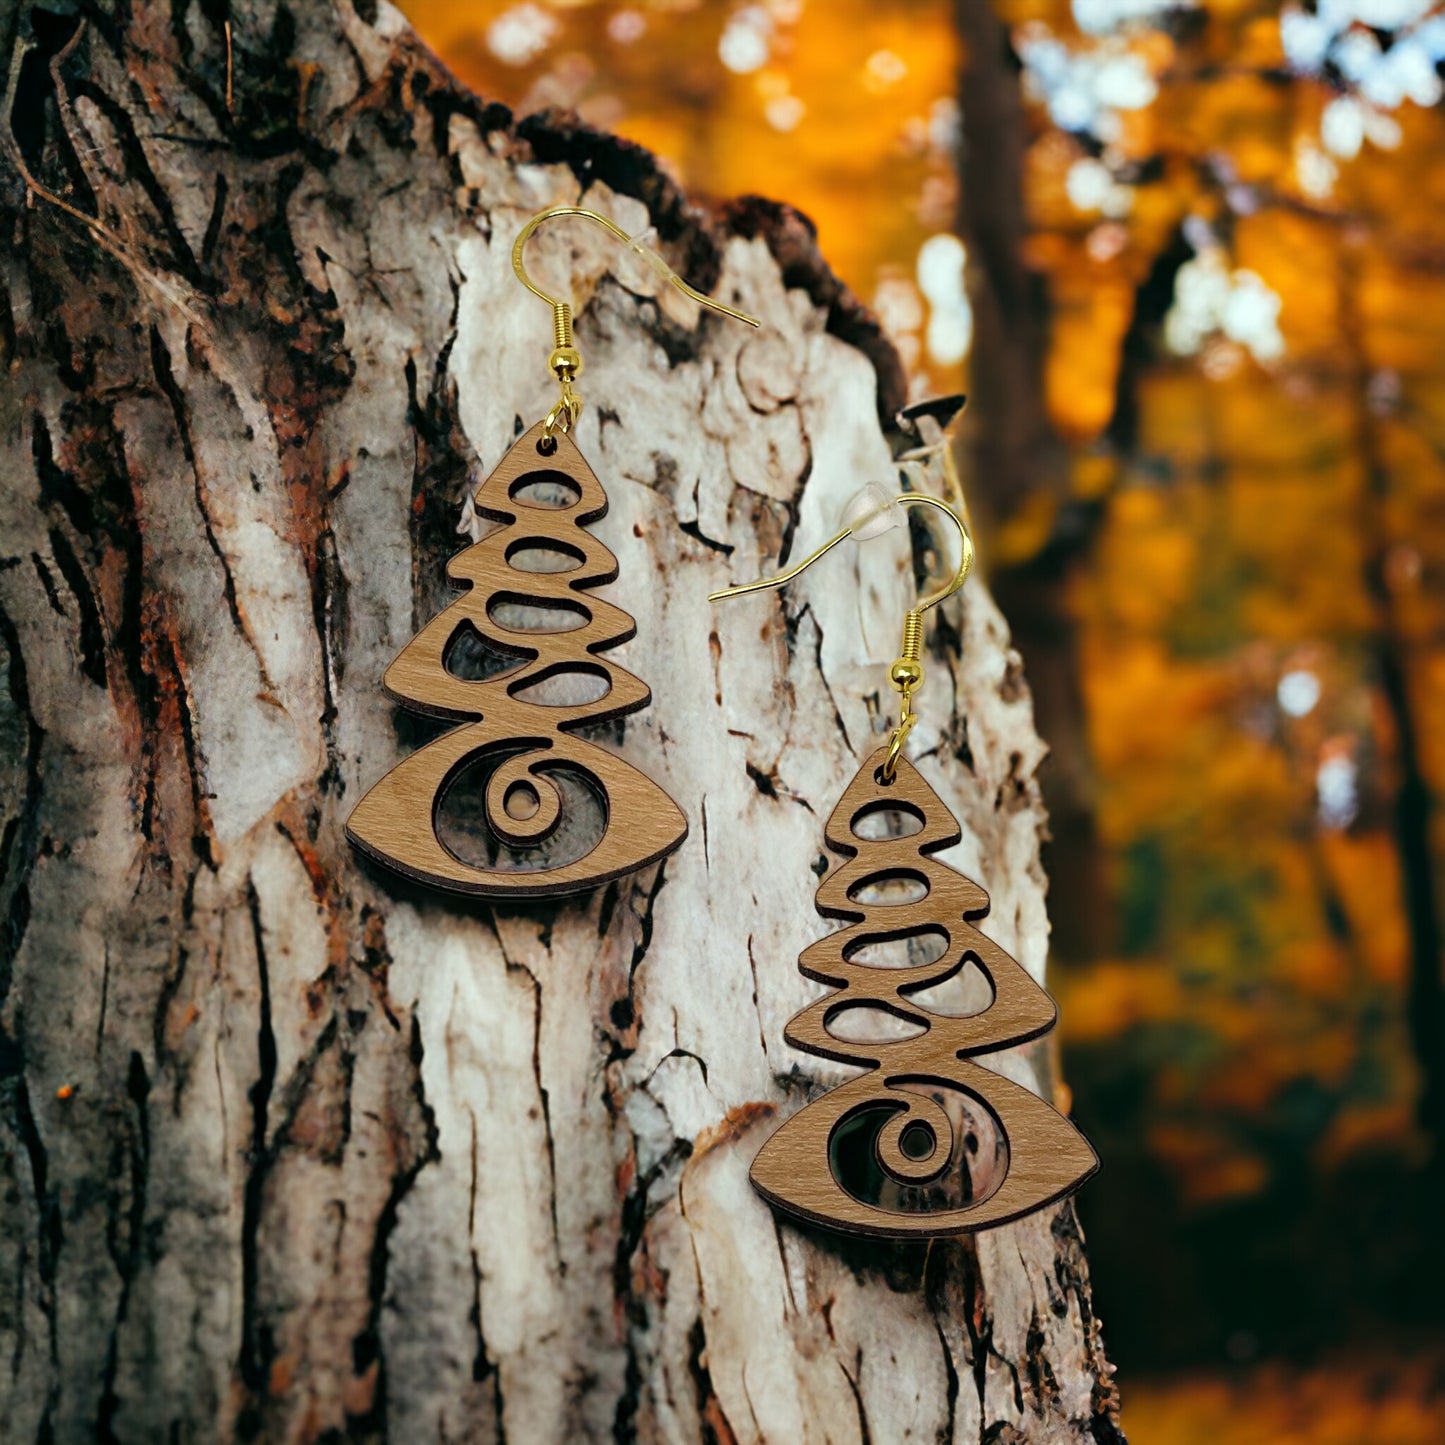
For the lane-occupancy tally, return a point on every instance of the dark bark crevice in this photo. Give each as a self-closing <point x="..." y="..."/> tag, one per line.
<point x="258" y="1349"/>
<point x="366" y="1350"/>
<point x="20" y="839"/>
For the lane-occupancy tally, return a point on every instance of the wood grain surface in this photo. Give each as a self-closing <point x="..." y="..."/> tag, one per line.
<point x="915" y="1082"/>
<point x="531" y="742"/>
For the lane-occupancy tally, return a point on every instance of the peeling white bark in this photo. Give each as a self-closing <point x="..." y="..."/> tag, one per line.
<point x="290" y="1147"/>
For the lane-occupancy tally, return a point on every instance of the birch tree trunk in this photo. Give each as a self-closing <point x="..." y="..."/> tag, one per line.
<point x="290" y="1151"/>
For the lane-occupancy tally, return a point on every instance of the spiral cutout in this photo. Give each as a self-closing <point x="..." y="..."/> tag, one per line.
<point x="921" y="1117"/>
<point x="515" y="780"/>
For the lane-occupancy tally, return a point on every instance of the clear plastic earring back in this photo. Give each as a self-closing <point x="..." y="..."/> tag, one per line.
<point x="872" y="511"/>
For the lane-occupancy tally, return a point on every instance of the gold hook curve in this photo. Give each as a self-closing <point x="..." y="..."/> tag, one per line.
<point x="905" y="675"/>
<point x="903" y="499"/>
<point x="616" y="231"/>
<point x="565" y="361"/>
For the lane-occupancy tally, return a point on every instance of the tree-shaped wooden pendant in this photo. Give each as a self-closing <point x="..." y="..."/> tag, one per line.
<point x="516" y="733"/>
<point x="927" y="1142"/>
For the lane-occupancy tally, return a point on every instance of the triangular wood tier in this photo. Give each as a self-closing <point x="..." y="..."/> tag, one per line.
<point x="915" y="1144"/>
<point x="396" y="822"/>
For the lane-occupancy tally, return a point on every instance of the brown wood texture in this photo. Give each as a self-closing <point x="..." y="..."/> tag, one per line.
<point x="396" y="822"/>
<point x="1039" y="1156"/>
<point x="290" y="1148"/>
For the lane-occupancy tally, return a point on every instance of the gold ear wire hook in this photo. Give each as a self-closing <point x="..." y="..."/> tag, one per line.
<point x="566" y="361"/>
<point x="905" y="675"/>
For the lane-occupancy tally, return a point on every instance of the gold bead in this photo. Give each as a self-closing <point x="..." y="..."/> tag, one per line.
<point x="906" y="674"/>
<point x="565" y="362"/>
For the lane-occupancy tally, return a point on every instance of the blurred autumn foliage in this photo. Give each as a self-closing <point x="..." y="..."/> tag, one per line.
<point x="1204" y="328"/>
<point x="1223" y="554"/>
<point x="847" y="111"/>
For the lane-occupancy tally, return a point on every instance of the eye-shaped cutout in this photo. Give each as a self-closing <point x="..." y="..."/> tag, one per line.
<point x="887" y="818"/>
<point x="892" y="889"/>
<point x="546" y="490"/>
<point x="869" y="1023"/>
<point x="966" y="991"/>
<point x="569" y="684"/>
<point x="975" y="1166"/>
<point x="476" y="833"/>
<point x="911" y="948"/>
<point x="470" y="658"/>
<point x="516" y="613"/>
<point x="544" y="555"/>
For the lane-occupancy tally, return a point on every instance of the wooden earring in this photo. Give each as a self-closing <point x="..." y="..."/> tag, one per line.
<point x="927" y="1142"/>
<point x="525" y="748"/>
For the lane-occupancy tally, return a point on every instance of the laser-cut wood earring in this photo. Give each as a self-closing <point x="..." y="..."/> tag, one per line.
<point x="544" y="495"/>
<point x="889" y="1153"/>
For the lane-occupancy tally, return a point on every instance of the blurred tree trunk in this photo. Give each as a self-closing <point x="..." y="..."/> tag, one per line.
<point x="1019" y="466"/>
<point x="290" y="1150"/>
